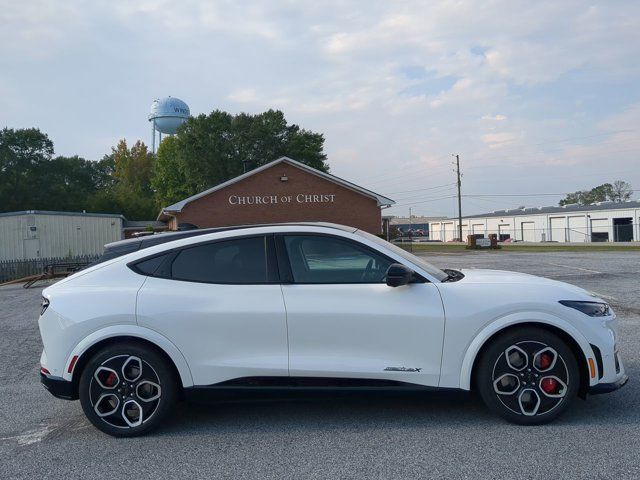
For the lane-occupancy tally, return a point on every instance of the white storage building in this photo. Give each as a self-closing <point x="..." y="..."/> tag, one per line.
<point x="598" y="222"/>
<point x="41" y="234"/>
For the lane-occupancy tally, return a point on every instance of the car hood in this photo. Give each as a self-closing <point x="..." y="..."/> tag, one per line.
<point x="481" y="276"/>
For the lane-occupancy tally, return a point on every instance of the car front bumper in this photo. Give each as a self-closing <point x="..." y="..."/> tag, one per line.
<point x="608" y="387"/>
<point x="58" y="387"/>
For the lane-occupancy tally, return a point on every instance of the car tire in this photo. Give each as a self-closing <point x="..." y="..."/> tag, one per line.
<point x="528" y="376"/>
<point x="127" y="389"/>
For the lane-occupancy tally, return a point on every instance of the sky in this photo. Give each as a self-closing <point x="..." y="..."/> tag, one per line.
<point x="538" y="98"/>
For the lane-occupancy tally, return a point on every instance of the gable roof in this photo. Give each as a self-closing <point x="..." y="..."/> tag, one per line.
<point x="381" y="200"/>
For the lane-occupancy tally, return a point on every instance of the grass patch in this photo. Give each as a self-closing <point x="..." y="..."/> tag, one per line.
<point x="514" y="247"/>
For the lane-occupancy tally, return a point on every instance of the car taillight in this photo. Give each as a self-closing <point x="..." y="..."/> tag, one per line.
<point x="44" y="305"/>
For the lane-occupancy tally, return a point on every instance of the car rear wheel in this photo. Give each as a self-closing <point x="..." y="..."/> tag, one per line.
<point x="128" y="389"/>
<point x="528" y="376"/>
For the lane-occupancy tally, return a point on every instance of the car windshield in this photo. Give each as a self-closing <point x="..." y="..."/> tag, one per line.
<point x="426" y="266"/>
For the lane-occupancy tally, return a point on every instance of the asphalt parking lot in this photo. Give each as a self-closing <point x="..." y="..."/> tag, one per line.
<point x="408" y="436"/>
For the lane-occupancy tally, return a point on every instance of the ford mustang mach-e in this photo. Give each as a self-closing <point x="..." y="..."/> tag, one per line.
<point x="315" y="306"/>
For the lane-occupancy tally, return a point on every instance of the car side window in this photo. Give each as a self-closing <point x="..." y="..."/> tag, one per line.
<point x="325" y="259"/>
<point x="237" y="261"/>
<point x="151" y="265"/>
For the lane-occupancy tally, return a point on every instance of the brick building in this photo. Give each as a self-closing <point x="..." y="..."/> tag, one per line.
<point x="281" y="191"/>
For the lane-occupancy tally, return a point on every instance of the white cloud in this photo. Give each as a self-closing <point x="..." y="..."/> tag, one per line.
<point x="396" y="87"/>
<point x="496" y="140"/>
<point x="244" y="95"/>
<point x="497" y="118"/>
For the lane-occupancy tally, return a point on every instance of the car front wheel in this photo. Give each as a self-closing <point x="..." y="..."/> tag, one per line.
<point x="128" y="389"/>
<point x="528" y="376"/>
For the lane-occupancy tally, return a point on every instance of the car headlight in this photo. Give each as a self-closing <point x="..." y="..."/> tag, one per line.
<point x="593" y="309"/>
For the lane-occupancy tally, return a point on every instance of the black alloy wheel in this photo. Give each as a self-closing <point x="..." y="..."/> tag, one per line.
<point x="528" y="376"/>
<point x="126" y="390"/>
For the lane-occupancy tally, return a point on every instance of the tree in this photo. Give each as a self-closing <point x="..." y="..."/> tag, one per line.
<point x="210" y="149"/>
<point x="621" y="191"/>
<point x="22" y="153"/>
<point x="125" y="181"/>
<point x="30" y="179"/>
<point x="66" y="183"/>
<point x="169" y="180"/>
<point x="618" y="192"/>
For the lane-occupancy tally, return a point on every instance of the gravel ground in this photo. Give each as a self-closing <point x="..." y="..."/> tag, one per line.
<point x="405" y="436"/>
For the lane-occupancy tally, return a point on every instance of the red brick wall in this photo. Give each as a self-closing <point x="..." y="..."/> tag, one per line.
<point x="348" y="207"/>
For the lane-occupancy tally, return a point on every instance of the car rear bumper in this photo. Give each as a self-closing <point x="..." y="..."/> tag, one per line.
<point x="608" y="387"/>
<point x="58" y="387"/>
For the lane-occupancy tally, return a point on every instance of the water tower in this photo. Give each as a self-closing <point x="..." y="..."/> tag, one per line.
<point x="167" y="114"/>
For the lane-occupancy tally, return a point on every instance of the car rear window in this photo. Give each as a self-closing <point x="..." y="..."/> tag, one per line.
<point x="237" y="261"/>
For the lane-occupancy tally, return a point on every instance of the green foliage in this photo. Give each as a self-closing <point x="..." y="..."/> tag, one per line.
<point x="210" y="149"/>
<point x="127" y="182"/>
<point x="619" y="191"/>
<point x="169" y="180"/>
<point x="65" y="183"/>
<point x="22" y="152"/>
<point x="31" y="179"/>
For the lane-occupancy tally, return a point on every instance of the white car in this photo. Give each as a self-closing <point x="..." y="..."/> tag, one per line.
<point x="313" y="305"/>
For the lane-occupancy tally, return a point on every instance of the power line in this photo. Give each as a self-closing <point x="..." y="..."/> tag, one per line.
<point x="529" y="163"/>
<point x="437" y="171"/>
<point x="423" y="189"/>
<point x="410" y="175"/>
<point x="425" y="201"/>
<point x="404" y="198"/>
<point x="378" y="178"/>
<point x="556" y="177"/>
<point x="515" y="195"/>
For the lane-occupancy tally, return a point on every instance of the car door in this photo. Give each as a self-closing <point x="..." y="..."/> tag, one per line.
<point x="221" y="304"/>
<point x="344" y="321"/>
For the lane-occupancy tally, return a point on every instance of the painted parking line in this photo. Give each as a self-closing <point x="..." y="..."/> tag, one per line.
<point x="31" y="436"/>
<point x="574" y="268"/>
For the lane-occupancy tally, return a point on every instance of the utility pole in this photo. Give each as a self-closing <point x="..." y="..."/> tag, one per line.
<point x="410" y="232"/>
<point x="459" y="199"/>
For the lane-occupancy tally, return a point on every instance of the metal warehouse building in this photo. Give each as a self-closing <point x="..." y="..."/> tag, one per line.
<point x="40" y="234"/>
<point x="598" y="222"/>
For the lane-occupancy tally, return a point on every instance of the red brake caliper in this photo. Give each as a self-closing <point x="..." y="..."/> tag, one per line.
<point x="545" y="361"/>
<point x="111" y="379"/>
<point x="549" y="385"/>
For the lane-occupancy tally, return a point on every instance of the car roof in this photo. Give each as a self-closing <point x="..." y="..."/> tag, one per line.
<point x="122" y="247"/>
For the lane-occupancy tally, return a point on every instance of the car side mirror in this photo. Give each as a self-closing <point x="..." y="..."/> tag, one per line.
<point x="398" y="275"/>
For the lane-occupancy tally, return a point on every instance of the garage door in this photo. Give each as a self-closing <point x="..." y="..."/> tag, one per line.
<point x="558" y="229"/>
<point x="599" y="230"/>
<point x="577" y="229"/>
<point x="504" y="232"/>
<point x="528" y="230"/>
<point x="449" y="233"/>
<point x="434" y="231"/>
<point x="478" y="229"/>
